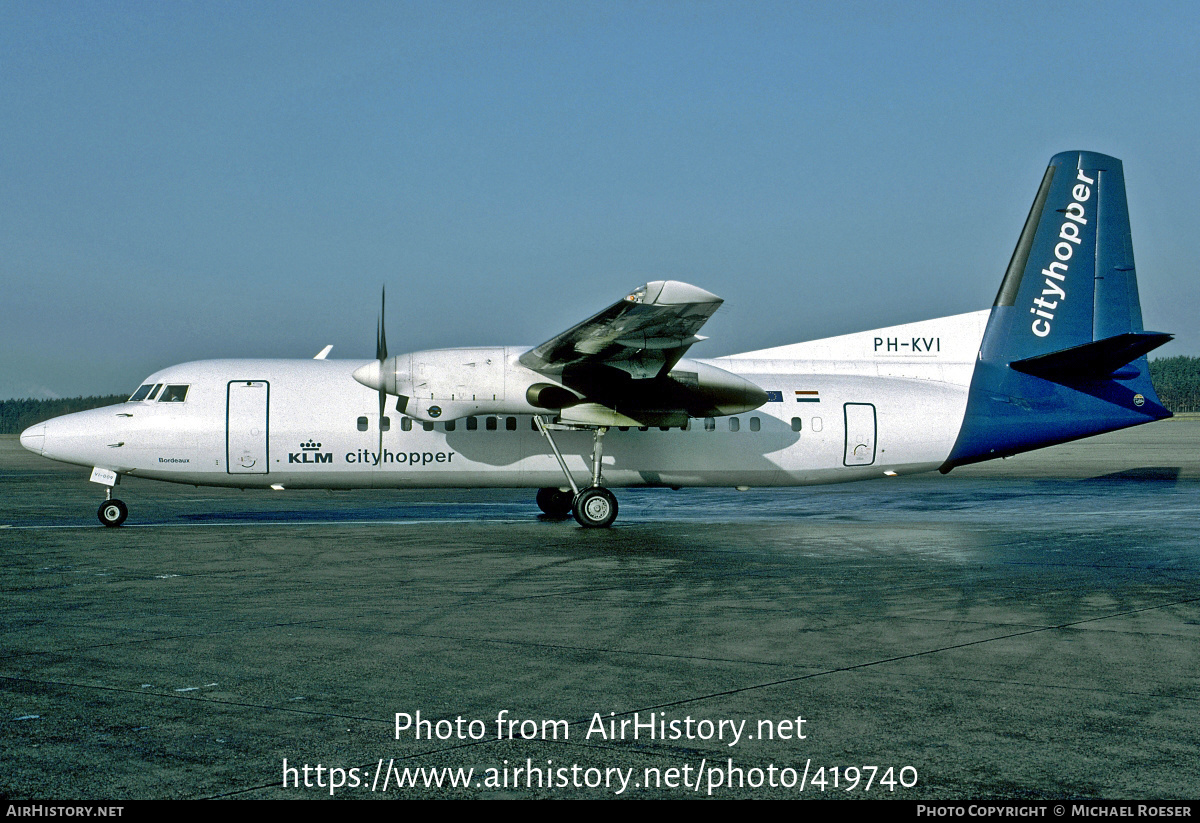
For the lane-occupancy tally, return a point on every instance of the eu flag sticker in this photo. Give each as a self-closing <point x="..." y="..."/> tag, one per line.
<point x="774" y="397"/>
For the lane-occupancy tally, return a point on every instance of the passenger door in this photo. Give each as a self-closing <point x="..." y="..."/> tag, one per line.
<point x="246" y="427"/>
<point x="860" y="434"/>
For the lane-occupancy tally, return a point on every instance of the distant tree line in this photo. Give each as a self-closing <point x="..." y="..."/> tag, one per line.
<point x="18" y="415"/>
<point x="1176" y="379"/>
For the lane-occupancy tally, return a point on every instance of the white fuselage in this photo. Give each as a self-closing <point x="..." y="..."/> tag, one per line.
<point x="846" y="408"/>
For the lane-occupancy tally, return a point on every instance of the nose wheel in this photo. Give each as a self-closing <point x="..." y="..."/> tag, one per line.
<point x="112" y="513"/>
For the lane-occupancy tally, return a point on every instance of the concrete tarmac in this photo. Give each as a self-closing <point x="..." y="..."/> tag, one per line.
<point x="1021" y="629"/>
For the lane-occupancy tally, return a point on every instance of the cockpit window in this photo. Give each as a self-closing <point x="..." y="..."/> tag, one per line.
<point x="174" y="394"/>
<point x="154" y="391"/>
<point x="141" y="393"/>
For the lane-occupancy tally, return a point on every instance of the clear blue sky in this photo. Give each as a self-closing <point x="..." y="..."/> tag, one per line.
<point x="182" y="181"/>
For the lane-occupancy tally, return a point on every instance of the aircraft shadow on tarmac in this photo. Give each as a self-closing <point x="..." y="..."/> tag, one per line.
<point x="1162" y="474"/>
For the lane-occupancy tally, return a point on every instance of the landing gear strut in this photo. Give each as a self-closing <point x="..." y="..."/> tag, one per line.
<point x="594" y="507"/>
<point x="112" y="513"/>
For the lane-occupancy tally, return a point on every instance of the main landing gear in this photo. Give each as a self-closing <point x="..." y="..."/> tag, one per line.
<point x="555" y="502"/>
<point x="112" y="513"/>
<point x="594" y="507"/>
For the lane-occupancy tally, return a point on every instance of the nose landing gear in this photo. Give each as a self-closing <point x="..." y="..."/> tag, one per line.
<point x="112" y="513"/>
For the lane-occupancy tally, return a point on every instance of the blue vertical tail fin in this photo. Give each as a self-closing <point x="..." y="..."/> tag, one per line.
<point x="1064" y="352"/>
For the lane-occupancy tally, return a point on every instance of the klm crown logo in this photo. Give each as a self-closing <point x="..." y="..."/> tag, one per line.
<point x="310" y="452"/>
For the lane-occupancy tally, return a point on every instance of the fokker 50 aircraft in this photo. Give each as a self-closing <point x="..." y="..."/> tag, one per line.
<point x="614" y="402"/>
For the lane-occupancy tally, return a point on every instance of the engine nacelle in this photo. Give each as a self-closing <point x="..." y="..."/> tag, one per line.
<point x="551" y="396"/>
<point x="714" y="392"/>
<point x="446" y="384"/>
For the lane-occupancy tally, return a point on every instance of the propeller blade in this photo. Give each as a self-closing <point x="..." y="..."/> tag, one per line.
<point x="380" y="332"/>
<point x="381" y="355"/>
<point x="382" y="400"/>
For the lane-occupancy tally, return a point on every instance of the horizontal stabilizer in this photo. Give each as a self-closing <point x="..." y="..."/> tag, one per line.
<point x="1096" y="360"/>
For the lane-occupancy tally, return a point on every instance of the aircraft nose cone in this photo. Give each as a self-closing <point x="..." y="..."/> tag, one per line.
<point x="369" y="375"/>
<point x="34" y="438"/>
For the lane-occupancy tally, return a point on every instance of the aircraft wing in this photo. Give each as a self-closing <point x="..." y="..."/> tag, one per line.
<point x="644" y="334"/>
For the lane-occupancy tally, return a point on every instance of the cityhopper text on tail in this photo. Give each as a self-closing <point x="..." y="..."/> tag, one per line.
<point x="616" y="402"/>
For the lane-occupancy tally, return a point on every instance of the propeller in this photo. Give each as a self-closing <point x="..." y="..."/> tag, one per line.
<point x="380" y="356"/>
<point x="373" y="374"/>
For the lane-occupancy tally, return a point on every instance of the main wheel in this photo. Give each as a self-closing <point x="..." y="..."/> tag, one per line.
<point x="595" y="508"/>
<point x="112" y="513"/>
<point x="554" y="502"/>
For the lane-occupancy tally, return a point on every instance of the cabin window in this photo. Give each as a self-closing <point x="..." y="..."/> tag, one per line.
<point x="796" y="424"/>
<point x="449" y="425"/>
<point x="406" y="424"/>
<point x="174" y="394"/>
<point x="734" y="424"/>
<point x="472" y="424"/>
<point x="510" y="423"/>
<point x="140" y="394"/>
<point x="154" y="392"/>
<point x="427" y="427"/>
<point x="385" y="424"/>
<point x="755" y="424"/>
<point x="362" y="424"/>
<point x="816" y="424"/>
<point x="623" y="428"/>
<point x="490" y="424"/>
<point x="710" y="424"/>
<point x="643" y="428"/>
